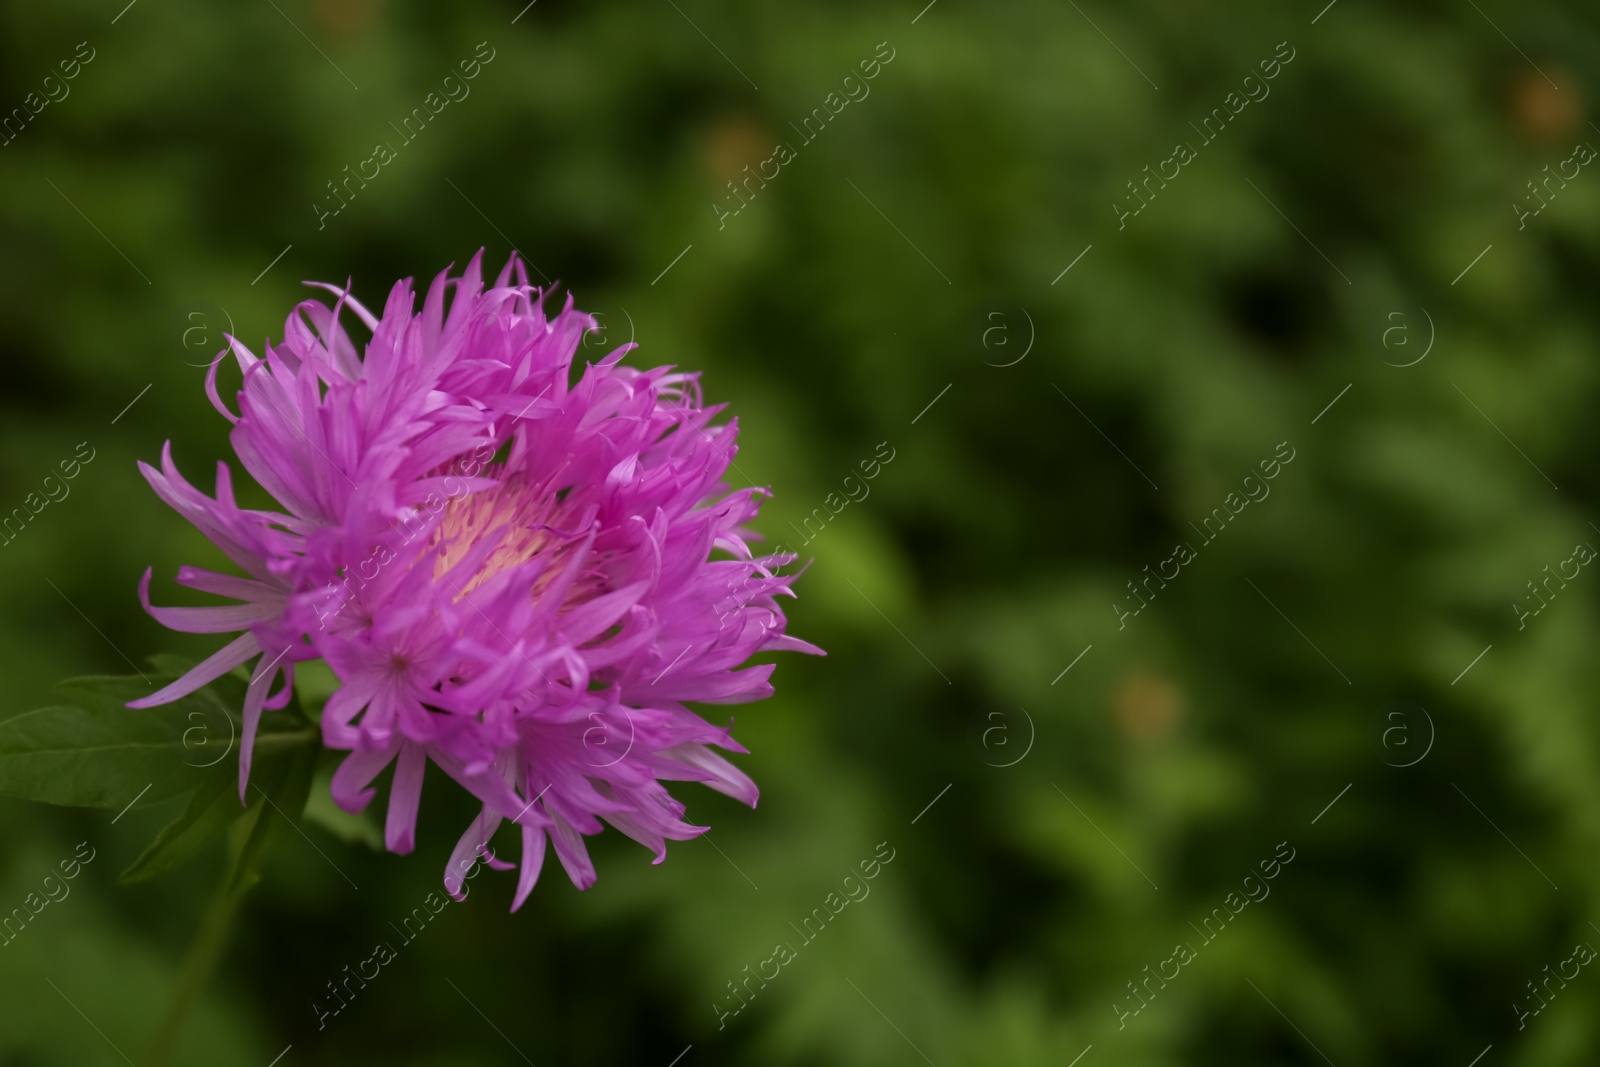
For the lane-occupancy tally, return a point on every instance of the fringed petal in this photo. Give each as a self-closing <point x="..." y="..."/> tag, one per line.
<point x="400" y="828"/>
<point x="716" y="772"/>
<point x="216" y="620"/>
<point x="533" y="838"/>
<point x="353" y="778"/>
<point x="469" y="851"/>
<point x="206" y="671"/>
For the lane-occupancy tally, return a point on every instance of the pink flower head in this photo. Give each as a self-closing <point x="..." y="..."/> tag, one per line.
<point x="521" y="578"/>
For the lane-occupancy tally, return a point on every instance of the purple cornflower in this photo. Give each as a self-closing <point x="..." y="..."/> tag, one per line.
<point x="516" y="576"/>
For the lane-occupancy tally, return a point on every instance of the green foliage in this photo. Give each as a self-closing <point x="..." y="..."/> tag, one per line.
<point x="99" y="753"/>
<point x="281" y="794"/>
<point x="212" y="806"/>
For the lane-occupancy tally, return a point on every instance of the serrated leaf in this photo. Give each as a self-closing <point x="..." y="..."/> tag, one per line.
<point x="97" y="756"/>
<point x="96" y="752"/>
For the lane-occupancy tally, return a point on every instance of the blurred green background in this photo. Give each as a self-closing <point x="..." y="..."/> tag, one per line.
<point x="1090" y="423"/>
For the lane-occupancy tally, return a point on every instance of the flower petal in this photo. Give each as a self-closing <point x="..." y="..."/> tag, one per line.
<point x="400" y="828"/>
<point x="206" y="671"/>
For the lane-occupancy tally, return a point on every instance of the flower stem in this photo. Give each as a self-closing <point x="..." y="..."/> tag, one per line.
<point x="197" y="968"/>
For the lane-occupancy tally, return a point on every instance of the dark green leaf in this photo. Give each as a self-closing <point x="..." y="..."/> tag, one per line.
<point x="211" y="807"/>
<point x="96" y="752"/>
<point x="98" y="756"/>
<point x="278" y="794"/>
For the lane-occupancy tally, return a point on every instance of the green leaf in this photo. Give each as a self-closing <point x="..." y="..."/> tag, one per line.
<point x="214" y="804"/>
<point x="95" y="752"/>
<point x="279" y="792"/>
<point x="97" y="756"/>
<point x="211" y="808"/>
